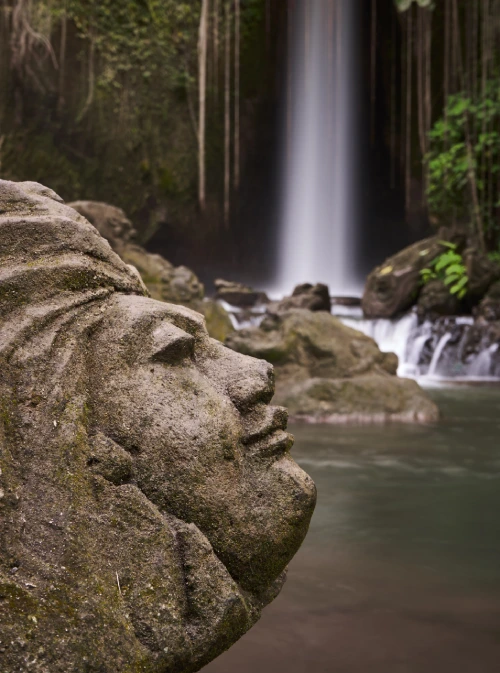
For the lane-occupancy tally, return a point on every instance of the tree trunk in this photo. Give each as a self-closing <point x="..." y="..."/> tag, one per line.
<point x="62" y="59"/>
<point x="202" y="117"/>
<point x="237" y="38"/>
<point x="216" y="48"/>
<point x="373" y="78"/>
<point x="227" y="117"/>
<point x="409" y="82"/>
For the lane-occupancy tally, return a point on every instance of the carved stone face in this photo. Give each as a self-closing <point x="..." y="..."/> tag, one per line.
<point x="148" y="503"/>
<point x="205" y="445"/>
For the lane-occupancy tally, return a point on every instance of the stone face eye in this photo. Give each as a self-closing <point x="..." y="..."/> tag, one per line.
<point x="171" y="344"/>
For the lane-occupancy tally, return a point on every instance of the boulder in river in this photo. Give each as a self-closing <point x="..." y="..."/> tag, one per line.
<point x="165" y="282"/>
<point x="148" y="501"/>
<point x="328" y="372"/>
<point x="394" y="286"/>
<point x="306" y="296"/>
<point x="489" y="308"/>
<point x="238" y="294"/>
<point x="435" y="300"/>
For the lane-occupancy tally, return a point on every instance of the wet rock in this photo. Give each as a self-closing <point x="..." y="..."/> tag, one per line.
<point x="364" y="399"/>
<point x="435" y="300"/>
<point x="238" y="294"/>
<point x="394" y="286"/>
<point x="150" y="501"/>
<point x="482" y="273"/>
<point x="489" y="308"/>
<point x="306" y="296"/>
<point x="165" y="282"/>
<point x="313" y="352"/>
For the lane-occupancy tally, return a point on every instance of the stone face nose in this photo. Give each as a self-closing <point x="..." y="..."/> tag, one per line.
<point x="246" y="380"/>
<point x="253" y="385"/>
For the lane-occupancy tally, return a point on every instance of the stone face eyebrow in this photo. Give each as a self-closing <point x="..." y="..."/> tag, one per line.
<point x="170" y="344"/>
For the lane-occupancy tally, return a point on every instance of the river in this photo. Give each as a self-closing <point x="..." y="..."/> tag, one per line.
<point x="400" y="572"/>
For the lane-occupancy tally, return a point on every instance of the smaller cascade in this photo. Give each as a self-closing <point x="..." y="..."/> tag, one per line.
<point x="446" y="349"/>
<point x="438" y="353"/>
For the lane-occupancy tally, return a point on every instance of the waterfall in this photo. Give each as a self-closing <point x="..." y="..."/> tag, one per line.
<point x="450" y="348"/>
<point x="437" y="354"/>
<point x="444" y="349"/>
<point x="317" y="236"/>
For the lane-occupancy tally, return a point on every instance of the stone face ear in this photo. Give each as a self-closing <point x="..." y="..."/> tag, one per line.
<point x="109" y="460"/>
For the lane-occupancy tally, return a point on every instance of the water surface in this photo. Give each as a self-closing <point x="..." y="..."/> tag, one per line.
<point x="400" y="572"/>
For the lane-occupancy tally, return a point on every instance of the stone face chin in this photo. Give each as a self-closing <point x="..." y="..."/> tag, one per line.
<point x="148" y="502"/>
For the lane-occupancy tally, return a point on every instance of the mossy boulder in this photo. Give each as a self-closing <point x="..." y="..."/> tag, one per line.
<point x="326" y="371"/>
<point x="363" y="399"/>
<point x="435" y="300"/>
<point x="306" y="296"/>
<point x="164" y="281"/>
<point x="394" y="286"/>
<point x="489" y="308"/>
<point x="238" y="294"/>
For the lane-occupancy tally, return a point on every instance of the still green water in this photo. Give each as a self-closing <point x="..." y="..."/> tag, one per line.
<point x="400" y="572"/>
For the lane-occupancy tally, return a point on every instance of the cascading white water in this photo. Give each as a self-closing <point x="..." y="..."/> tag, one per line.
<point x="318" y="229"/>
<point x="438" y="353"/>
<point x="432" y="351"/>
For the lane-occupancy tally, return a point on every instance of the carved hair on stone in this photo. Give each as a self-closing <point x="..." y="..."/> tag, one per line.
<point x="148" y="502"/>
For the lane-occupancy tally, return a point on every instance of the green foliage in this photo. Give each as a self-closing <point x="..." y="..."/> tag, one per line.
<point x="465" y="145"/>
<point x="448" y="267"/>
<point x="113" y="117"/>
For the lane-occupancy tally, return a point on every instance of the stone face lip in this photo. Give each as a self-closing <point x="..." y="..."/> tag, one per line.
<point x="238" y="294"/>
<point x="328" y="372"/>
<point x="165" y="282"/>
<point x="149" y="505"/>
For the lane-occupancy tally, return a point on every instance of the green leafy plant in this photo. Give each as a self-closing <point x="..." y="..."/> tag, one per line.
<point x="463" y="162"/>
<point x="448" y="267"/>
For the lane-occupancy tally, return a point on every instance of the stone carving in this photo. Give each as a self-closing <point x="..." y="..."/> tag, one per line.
<point x="148" y="502"/>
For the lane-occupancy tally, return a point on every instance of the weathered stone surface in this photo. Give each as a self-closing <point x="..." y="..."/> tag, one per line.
<point x="238" y="294"/>
<point x="165" y="282"/>
<point x="148" y="502"/>
<point x="306" y="296"/>
<point x="328" y="372"/>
